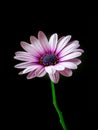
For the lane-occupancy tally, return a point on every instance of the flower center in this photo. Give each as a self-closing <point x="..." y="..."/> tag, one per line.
<point x="49" y="59"/>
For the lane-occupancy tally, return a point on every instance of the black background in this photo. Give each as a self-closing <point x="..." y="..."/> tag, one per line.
<point x="28" y="103"/>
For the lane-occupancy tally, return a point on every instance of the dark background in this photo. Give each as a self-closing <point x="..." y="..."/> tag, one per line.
<point x="28" y="103"/>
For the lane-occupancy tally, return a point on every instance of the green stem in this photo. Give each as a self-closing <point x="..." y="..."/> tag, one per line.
<point x="57" y="108"/>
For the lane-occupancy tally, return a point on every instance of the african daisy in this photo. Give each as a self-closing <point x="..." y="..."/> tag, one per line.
<point x="51" y="56"/>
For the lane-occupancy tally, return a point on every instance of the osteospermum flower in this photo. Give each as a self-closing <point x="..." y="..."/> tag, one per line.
<point x="54" y="57"/>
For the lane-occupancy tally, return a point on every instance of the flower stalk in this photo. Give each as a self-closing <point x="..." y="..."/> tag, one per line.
<point x="57" y="108"/>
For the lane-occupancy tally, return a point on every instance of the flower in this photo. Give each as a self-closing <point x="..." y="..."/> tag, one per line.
<point x="54" y="57"/>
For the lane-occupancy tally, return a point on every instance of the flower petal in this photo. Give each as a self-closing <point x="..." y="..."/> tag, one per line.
<point x="31" y="75"/>
<point x="53" y="42"/>
<point x="66" y="72"/>
<point x="75" y="61"/>
<point x="63" y="43"/>
<point x="43" y="40"/>
<point x="79" y="50"/>
<point x="70" y="56"/>
<point x="27" y="47"/>
<point x="70" y="48"/>
<point x="23" y="65"/>
<point x="41" y="72"/>
<point x="50" y="69"/>
<point x="22" y="53"/>
<point x="26" y="58"/>
<point x="36" y="44"/>
<point x="30" y="68"/>
<point x="69" y="65"/>
<point x="53" y="74"/>
<point x="59" y="67"/>
<point x="54" y="77"/>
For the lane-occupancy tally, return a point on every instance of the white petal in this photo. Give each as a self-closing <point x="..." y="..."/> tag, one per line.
<point x="41" y="72"/>
<point x="23" y="65"/>
<point x="26" y="58"/>
<point x="75" y="61"/>
<point x="43" y="40"/>
<point x="63" y="43"/>
<point x="59" y="67"/>
<point x="36" y="44"/>
<point x="69" y="65"/>
<point x="70" y="48"/>
<point x="70" y="56"/>
<point x="53" y="42"/>
<point x="79" y="50"/>
<point x="50" y="69"/>
<point x="54" y="77"/>
<point x="27" y="47"/>
<point x="31" y="75"/>
<point x="20" y="73"/>
<point x="66" y="72"/>
<point x="22" y="53"/>
<point x="30" y="68"/>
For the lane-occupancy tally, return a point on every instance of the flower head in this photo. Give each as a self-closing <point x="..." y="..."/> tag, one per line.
<point x="54" y="57"/>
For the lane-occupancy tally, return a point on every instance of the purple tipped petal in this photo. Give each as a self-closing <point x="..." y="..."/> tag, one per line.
<point x="63" y="43"/>
<point x="66" y="72"/>
<point x="43" y="40"/>
<point x="53" y="42"/>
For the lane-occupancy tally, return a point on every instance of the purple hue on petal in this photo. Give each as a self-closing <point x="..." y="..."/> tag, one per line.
<point x="21" y="73"/>
<point x="43" y="40"/>
<point x="30" y="68"/>
<point x="54" y="77"/>
<point x="69" y="65"/>
<point x="27" y="47"/>
<point x="67" y="72"/>
<point x="59" y="67"/>
<point x="70" y="48"/>
<point x="70" y="56"/>
<point x="23" y="65"/>
<point x="50" y="69"/>
<point x="53" y="42"/>
<point x="79" y="50"/>
<point x="54" y="57"/>
<point x="36" y="44"/>
<point x="26" y="58"/>
<point x="63" y="43"/>
<point x="31" y="75"/>
<point x="41" y="72"/>
<point x="75" y="61"/>
<point x="22" y="53"/>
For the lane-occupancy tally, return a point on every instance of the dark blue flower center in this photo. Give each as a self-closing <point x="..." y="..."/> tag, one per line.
<point x="49" y="59"/>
